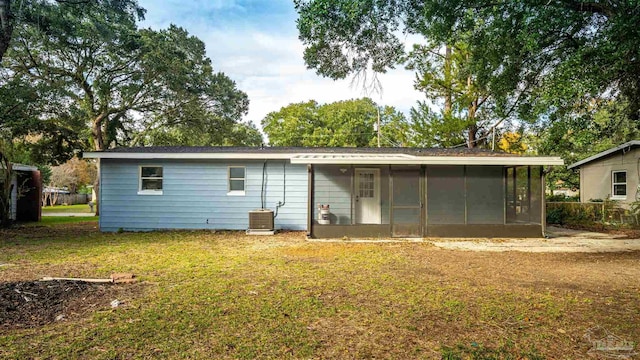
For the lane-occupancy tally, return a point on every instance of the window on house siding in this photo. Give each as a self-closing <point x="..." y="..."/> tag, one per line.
<point x="619" y="185"/>
<point x="150" y="180"/>
<point x="237" y="180"/>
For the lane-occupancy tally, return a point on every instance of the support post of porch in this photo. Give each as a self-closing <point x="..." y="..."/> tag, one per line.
<point x="309" y="199"/>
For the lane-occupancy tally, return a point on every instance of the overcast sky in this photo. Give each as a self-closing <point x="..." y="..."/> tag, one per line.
<point x="255" y="42"/>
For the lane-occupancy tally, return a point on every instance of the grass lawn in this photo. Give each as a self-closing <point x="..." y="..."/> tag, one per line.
<point x="77" y="208"/>
<point x="228" y="295"/>
<point x="53" y="220"/>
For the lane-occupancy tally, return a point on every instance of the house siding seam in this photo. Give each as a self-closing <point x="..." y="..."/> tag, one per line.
<point x="195" y="195"/>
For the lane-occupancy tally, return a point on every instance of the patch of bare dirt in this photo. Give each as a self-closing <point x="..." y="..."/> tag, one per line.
<point x="36" y="303"/>
<point x="49" y="232"/>
<point x="626" y="232"/>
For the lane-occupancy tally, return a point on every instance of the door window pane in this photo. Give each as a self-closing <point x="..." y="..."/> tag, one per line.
<point x="366" y="189"/>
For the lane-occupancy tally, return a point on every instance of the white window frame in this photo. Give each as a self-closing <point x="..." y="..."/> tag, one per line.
<point x="149" y="192"/>
<point x="613" y="185"/>
<point x="229" y="178"/>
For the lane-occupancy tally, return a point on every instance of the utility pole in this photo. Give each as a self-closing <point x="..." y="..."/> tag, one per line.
<point x="378" y="109"/>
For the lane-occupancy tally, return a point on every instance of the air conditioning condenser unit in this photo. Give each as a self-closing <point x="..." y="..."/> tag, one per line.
<point x="261" y="222"/>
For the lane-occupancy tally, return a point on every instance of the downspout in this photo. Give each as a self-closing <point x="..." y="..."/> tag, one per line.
<point x="309" y="199"/>
<point x="99" y="194"/>
<point x="544" y="203"/>
<point x="284" y="189"/>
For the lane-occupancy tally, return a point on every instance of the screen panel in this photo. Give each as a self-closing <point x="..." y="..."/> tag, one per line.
<point x="445" y="195"/>
<point x="485" y="195"/>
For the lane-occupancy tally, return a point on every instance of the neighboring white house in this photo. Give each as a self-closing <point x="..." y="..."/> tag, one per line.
<point x="611" y="174"/>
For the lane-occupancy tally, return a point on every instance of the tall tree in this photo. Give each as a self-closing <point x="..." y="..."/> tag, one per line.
<point x="444" y="75"/>
<point x="583" y="134"/>
<point x="343" y="123"/>
<point x="36" y="123"/>
<point x="6" y="26"/>
<point x="125" y="83"/>
<point x="10" y="18"/>
<point x="534" y="56"/>
<point x="122" y="81"/>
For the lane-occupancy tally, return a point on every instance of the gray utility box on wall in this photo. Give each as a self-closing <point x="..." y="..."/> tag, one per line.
<point x="261" y="222"/>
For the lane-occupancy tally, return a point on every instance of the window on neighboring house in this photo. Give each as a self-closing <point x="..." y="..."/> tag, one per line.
<point x="150" y="180"/>
<point x="236" y="180"/>
<point x="619" y="185"/>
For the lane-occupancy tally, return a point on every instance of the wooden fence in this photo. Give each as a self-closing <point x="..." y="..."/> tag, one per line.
<point x="65" y="199"/>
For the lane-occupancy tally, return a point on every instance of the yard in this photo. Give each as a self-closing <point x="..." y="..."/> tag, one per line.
<point x="228" y="295"/>
<point x="76" y="208"/>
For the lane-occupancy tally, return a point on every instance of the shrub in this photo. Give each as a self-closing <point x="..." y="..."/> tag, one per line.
<point x="593" y="214"/>
<point x="563" y="198"/>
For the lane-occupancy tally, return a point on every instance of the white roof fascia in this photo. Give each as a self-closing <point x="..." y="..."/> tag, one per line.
<point x="605" y="153"/>
<point x="428" y="160"/>
<point x="190" y="156"/>
<point x="337" y="158"/>
<point x="21" y="167"/>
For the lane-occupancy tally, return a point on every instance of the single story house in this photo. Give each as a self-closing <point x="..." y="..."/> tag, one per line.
<point x="611" y="174"/>
<point x="328" y="192"/>
<point x="26" y="192"/>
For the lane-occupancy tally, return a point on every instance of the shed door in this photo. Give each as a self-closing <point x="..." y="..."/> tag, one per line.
<point x="406" y="203"/>
<point x="367" y="196"/>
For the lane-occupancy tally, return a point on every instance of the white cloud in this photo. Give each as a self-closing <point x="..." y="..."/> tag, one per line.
<point x="267" y="64"/>
<point x="270" y="68"/>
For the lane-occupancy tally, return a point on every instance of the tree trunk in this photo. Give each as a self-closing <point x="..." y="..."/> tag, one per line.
<point x="448" y="80"/>
<point x="473" y="133"/>
<point x="98" y="141"/>
<point x="6" y="26"/>
<point x="471" y="116"/>
<point x="473" y="126"/>
<point x="5" y="191"/>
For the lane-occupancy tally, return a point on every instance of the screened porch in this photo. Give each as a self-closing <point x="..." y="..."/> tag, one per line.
<point x="426" y="200"/>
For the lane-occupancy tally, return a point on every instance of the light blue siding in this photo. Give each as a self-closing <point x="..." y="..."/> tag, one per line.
<point x="195" y="195"/>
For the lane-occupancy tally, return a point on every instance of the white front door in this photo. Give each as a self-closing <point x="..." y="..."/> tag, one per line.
<point x="367" y="196"/>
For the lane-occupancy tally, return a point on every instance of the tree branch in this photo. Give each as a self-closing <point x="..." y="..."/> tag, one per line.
<point x="590" y="7"/>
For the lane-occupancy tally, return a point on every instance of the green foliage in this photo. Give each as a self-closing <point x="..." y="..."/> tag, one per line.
<point x="344" y="123"/>
<point x="344" y="37"/>
<point x="537" y="59"/>
<point x="435" y="129"/>
<point x="128" y="86"/>
<point x="581" y="134"/>
<point x="583" y="214"/>
<point x="45" y="173"/>
<point x="443" y="73"/>
<point x="562" y="198"/>
<point x="34" y="123"/>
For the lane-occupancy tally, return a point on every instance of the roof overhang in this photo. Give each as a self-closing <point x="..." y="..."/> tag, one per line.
<point x="186" y="156"/>
<point x="338" y="159"/>
<point x="623" y="147"/>
<point x="367" y="159"/>
<point x="21" y="167"/>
